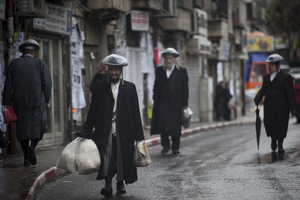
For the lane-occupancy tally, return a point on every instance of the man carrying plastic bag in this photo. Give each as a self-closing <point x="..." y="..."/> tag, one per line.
<point x="115" y="114"/>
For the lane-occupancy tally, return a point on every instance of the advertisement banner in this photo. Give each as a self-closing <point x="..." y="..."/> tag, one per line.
<point x="59" y="20"/>
<point x="260" y="44"/>
<point x="224" y="50"/>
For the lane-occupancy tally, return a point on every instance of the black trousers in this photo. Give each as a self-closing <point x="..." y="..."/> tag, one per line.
<point x="113" y="162"/>
<point x="165" y="141"/>
<point x="25" y="145"/>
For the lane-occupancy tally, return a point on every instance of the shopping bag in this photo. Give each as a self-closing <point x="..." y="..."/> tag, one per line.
<point x="141" y="154"/>
<point x="186" y="117"/>
<point x="9" y="115"/>
<point x="87" y="157"/>
<point x="66" y="160"/>
<point x="232" y="103"/>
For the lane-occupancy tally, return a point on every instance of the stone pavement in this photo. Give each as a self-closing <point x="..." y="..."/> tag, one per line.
<point x="30" y="179"/>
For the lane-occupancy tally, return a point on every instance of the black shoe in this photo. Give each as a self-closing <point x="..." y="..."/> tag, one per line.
<point x="281" y="150"/>
<point x="26" y="163"/>
<point x="273" y="145"/>
<point x="107" y="191"/>
<point x="176" y="152"/>
<point x="120" y="188"/>
<point x="165" y="150"/>
<point x="31" y="155"/>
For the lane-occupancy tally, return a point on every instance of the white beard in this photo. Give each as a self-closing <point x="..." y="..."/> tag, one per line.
<point x="168" y="66"/>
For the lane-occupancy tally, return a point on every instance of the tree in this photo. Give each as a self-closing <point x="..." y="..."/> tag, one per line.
<point x="283" y="18"/>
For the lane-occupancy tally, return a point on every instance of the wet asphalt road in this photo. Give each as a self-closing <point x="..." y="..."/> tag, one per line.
<point x="217" y="164"/>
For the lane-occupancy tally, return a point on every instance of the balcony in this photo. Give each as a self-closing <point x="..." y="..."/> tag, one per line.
<point x="217" y="29"/>
<point x="181" y="22"/>
<point x="154" y="5"/>
<point x="109" y="8"/>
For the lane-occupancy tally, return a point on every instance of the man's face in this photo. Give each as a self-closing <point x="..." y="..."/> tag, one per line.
<point x="272" y="67"/>
<point x="114" y="73"/>
<point x="169" y="61"/>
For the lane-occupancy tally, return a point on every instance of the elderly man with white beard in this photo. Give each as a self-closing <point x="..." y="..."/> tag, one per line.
<point x="170" y="95"/>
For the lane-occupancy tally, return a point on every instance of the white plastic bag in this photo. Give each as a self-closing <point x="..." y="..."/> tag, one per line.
<point x="66" y="160"/>
<point x="87" y="156"/>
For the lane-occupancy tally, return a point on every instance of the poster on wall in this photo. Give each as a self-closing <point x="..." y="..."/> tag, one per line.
<point x="78" y="99"/>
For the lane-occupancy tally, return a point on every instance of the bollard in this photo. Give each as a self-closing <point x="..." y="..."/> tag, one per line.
<point x="12" y="137"/>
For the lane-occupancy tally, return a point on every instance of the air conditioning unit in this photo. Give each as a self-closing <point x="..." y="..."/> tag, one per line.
<point x="199" y="20"/>
<point x="30" y="8"/>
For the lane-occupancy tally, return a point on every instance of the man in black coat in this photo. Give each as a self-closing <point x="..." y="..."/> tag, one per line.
<point x="170" y="95"/>
<point x="28" y="86"/>
<point x="278" y="91"/>
<point x="115" y="114"/>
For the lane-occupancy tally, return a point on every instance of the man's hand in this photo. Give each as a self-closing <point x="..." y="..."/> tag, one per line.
<point x="256" y="101"/>
<point x="185" y="107"/>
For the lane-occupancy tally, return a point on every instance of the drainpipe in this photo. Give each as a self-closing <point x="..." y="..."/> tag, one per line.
<point x="10" y="46"/>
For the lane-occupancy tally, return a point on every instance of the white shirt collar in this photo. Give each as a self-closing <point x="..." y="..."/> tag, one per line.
<point x="273" y="74"/>
<point x="169" y="72"/>
<point x="115" y="87"/>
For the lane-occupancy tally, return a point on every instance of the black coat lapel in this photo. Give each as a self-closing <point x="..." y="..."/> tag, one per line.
<point x="277" y="76"/>
<point x="108" y="88"/>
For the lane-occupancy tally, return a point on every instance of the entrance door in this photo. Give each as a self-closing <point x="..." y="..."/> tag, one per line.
<point x="50" y="52"/>
<point x="194" y="95"/>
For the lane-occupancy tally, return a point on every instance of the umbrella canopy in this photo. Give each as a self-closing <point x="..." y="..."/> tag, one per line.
<point x="257" y="126"/>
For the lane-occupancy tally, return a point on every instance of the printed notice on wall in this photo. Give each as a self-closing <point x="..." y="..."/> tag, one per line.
<point x="59" y="20"/>
<point x="139" y="20"/>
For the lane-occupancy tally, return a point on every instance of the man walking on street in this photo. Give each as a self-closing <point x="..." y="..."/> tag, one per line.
<point x="170" y="95"/>
<point x="28" y="86"/>
<point x="115" y="114"/>
<point x="278" y="91"/>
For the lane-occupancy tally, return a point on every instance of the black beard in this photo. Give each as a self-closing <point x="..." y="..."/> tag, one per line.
<point x="114" y="81"/>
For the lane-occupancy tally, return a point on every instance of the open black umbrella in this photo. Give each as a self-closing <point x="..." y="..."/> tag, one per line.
<point x="258" y="126"/>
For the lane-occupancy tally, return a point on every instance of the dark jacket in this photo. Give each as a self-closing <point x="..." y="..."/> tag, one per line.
<point x="28" y="86"/>
<point x="129" y="123"/>
<point x="279" y="100"/>
<point x="179" y="93"/>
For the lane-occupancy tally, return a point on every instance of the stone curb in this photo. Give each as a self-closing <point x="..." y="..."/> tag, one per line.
<point x="41" y="180"/>
<point x="54" y="172"/>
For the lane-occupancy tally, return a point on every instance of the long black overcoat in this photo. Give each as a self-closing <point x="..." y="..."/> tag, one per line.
<point x="28" y="85"/>
<point x="129" y="123"/>
<point x="179" y="94"/>
<point x="279" y="100"/>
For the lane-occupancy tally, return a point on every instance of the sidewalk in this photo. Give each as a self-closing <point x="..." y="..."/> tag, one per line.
<point x="14" y="176"/>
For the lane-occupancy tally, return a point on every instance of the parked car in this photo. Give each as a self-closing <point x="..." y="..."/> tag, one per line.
<point x="295" y="72"/>
<point x="285" y="68"/>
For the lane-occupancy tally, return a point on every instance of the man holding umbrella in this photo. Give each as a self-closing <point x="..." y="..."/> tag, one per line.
<point x="279" y="95"/>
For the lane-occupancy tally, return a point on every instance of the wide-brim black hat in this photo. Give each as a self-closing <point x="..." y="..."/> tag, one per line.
<point x="115" y="60"/>
<point x="29" y="44"/>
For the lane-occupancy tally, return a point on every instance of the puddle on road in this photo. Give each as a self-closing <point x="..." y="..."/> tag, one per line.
<point x="268" y="158"/>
